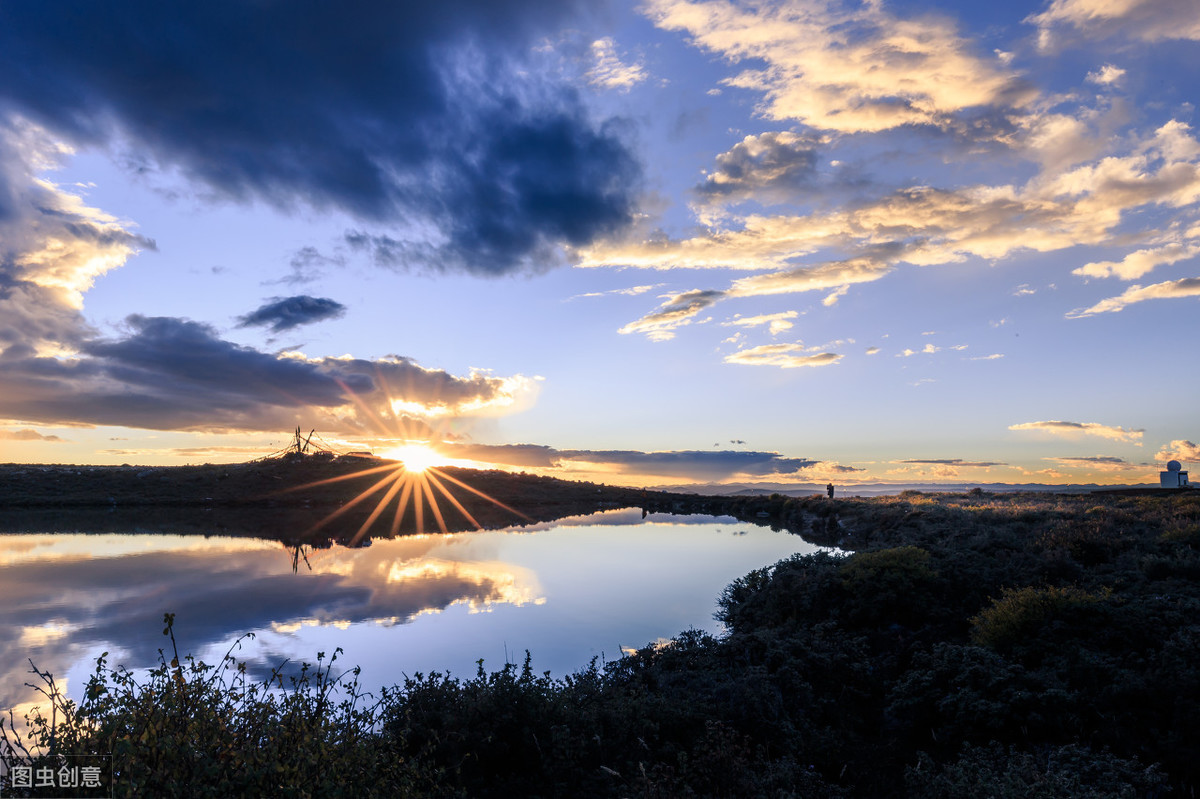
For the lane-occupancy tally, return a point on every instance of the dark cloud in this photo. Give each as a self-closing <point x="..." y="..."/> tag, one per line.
<point x="289" y="312"/>
<point x="1095" y="460"/>
<point x="532" y="455"/>
<point x="696" y="464"/>
<point x="426" y="115"/>
<point x="172" y="373"/>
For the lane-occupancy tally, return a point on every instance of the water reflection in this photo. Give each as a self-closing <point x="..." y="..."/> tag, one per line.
<point x="567" y="591"/>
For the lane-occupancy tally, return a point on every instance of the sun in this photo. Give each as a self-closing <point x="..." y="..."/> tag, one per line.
<point x="412" y="478"/>
<point x="415" y="457"/>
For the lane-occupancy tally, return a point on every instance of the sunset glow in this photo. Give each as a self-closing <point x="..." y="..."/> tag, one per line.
<point x="415" y="457"/>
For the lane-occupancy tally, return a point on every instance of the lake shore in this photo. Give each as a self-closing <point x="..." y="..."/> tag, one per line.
<point x="306" y="498"/>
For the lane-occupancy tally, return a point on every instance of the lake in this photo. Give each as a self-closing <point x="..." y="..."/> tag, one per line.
<point x="567" y="591"/>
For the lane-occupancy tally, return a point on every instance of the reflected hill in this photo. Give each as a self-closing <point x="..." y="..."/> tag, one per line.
<point x="313" y="500"/>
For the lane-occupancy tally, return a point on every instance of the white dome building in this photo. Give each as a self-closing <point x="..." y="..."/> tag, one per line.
<point x="1174" y="476"/>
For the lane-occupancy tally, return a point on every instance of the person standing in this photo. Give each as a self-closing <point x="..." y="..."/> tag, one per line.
<point x="829" y="490"/>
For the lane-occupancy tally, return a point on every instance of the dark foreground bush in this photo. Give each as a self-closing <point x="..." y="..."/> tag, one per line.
<point x="1065" y="772"/>
<point x="192" y="729"/>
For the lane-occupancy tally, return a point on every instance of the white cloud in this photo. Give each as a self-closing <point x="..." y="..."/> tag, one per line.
<point x="609" y="72"/>
<point x="1074" y="429"/>
<point x="677" y="311"/>
<point x="776" y="322"/>
<point x="769" y="167"/>
<point x="1139" y="262"/>
<point x="929" y="226"/>
<point x="1107" y="75"/>
<point x="928" y="349"/>
<point x="1186" y="287"/>
<point x="785" y="356"/>
<point x="845" y="68"/>
<point x="1147" y="20"/>
<point x="1179" y="450"/>
<point x="52" y="245"/>
<point x="832" y="298"/>
<point x="632" y="291"/>
<point x="833" y="275"/>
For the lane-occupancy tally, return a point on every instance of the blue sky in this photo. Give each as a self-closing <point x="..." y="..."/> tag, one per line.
<point x="643" y="243"/>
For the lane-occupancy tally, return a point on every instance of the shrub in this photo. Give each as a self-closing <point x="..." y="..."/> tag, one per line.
<point x="1019" y="612"/>
<point x="1065" y="772"/>
<point x="888" y="586"/>
<point x="191" y="729"/>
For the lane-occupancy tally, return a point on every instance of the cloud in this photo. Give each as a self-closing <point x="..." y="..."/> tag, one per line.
<point x="632" y="291"/>
<point x="847" y="68"/>
<point x="165" y="373"/>
<point x="1107" y="75"/>
<point x="1185" y="287"/>
<point x="1179" y="450"/>
<point x="308" y="264"/>
<point x="26" y="435"/>
<point x="431" y="121"/>
<point x="1072" y="429"/>
<point x="52" y="246"/>
<point x="239" y="586"/>
<point x="608" y="72"/>
<point x="1103" y="463"/>
<point x="1145" y="20"/>
<point x="690" y="464"/>
<point x="175" y="374"/>
<point x="776" y="322"/>
<point x="677" y="311"/>
<point x="952" y="462"/>
<point x="785" y="356"/>
<point x="864" y="241"/>
<point x="928" y="349"/>
<point x="768" y="167"/>
<point x="290" y="312"/>
<point x="699" y="465"/>
<point x="1139" y="262"/>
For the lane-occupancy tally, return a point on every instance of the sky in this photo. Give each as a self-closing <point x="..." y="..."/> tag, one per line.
<point x="649" y="243"/>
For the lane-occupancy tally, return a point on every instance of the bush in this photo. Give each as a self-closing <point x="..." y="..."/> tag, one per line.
<point x="1066" y="772"/>
<point x="1019" y="612"/>
<point x="192" y="729"/>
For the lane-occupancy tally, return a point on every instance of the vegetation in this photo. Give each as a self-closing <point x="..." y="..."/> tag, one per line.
<point x="973" y="645"/>
<point x="282" y="498"/>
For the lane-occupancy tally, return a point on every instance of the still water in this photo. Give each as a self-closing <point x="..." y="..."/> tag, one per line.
<point x="567" y="591"/>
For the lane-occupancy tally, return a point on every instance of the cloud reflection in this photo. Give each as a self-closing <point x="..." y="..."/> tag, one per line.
<point x="64" y="595"/>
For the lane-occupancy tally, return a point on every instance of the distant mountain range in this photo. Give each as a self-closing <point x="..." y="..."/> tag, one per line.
<point x="879" y="489"/>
